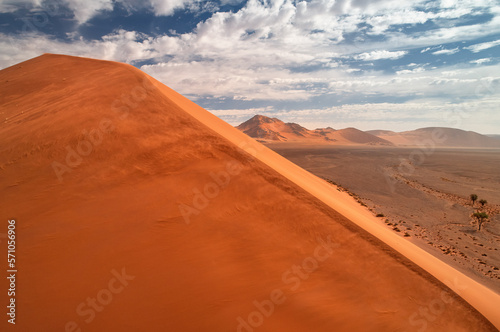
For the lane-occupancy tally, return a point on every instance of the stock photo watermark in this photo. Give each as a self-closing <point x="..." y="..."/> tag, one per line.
<point x="40" y="17"/>
<point x="212" y="189"/>
<point x="292" y="278"/>
<point x="425" y="148"/>
<point x="94" y="137"/>
<point x="416" y="157"/>
<point x="88" y="309"/>
<point x="429" y="313"/>
<point x="203" y="195"/>
<point x="11" y="270"/>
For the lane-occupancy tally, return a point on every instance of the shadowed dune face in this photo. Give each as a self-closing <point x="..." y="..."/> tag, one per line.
<point x="133" y="215"/>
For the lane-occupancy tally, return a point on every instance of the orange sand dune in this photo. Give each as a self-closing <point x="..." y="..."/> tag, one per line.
<point x="138" y="210"/>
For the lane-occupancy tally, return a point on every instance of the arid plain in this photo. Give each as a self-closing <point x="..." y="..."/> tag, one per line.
<point x="423" y="193"/>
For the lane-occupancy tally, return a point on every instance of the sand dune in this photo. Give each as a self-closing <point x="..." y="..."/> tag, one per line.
<point x="438" y="137"/>
<point x="356" y="136"/>
<point x="267" y="129"/>
<point x="274" y="129"/>
<point x="139" y="210"/>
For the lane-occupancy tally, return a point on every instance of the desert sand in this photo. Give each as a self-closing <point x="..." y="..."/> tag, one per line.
<point x="136" y="209"/>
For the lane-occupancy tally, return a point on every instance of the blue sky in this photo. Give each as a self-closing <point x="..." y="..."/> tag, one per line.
<point x="369" y="64"/>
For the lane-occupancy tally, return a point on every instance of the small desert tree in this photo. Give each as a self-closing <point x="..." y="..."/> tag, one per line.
<point x="483" y="202"/>
<point x="473" y="198"/>
<point x="479" y="218"/>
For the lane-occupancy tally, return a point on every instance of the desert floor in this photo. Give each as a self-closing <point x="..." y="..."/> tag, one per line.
<point x="422" y="194"/>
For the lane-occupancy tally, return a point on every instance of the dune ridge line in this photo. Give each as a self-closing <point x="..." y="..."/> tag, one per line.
<point x="480" y="297"/>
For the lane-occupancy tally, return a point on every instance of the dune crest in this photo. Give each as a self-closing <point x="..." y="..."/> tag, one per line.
<point x="139" y="210"/>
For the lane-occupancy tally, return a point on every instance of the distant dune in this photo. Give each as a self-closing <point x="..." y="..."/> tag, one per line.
<point x="267" y="129"/>
<point x="356" y="136"/>
<point x="137" y="210"/>
<point x="380" y="132"/>
<point x="439" y="137"/>
<point x="272" y="129"/>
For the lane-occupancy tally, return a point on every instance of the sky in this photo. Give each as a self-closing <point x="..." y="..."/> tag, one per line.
<point x="370" y="64"/>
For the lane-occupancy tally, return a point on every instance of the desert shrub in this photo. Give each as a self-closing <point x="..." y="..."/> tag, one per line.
<point x="473" y="198"/>
<point x="479" y="218"/>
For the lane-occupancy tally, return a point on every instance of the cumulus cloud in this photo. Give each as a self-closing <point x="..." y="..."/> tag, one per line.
<point x="167" y="7"/>
<point x="125" y="46"/>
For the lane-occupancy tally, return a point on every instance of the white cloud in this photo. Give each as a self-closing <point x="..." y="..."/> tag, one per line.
<point x="167" y="7"/>
<point x="446" y="34"/>
<point x="483" y="46"/>
<point x="381" y="23"/>
<point x="249" y="112"/>
<point x="122" y="45"/>
<point x="481" y="61"/>
<point x="367" y="116"/>
<point x="83" y="10"/>
<point x="86" y="9"/>
<point x="378" y="55"/>
<point x="446" y="52"/>
<point x="413" y="71"/>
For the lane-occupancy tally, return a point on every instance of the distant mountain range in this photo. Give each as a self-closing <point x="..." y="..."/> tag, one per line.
<point x="440" y="136"/>
<point x="272" y="129"/>
<point x="268" y="129"/>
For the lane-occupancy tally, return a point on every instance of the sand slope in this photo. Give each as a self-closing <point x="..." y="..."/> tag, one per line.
<point x="129" y="195"/>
